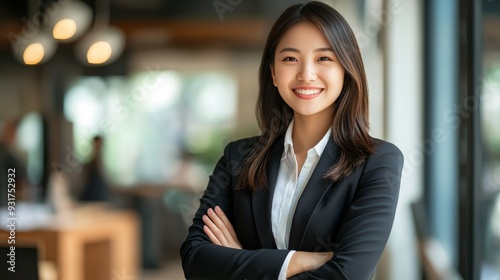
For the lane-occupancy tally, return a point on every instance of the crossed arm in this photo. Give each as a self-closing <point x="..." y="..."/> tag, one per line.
<point x="221" y="232"/>
<point x="212" y="249"/>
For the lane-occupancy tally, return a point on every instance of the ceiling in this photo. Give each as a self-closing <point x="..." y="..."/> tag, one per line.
<point x="157" y="22"/>
<point x="186" y="23"/>
<point x="159" y="9"/>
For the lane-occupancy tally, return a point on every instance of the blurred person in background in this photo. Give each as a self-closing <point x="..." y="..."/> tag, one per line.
<point x="315" y="196"/>
<point x="11" y="159"/>
<point x="94" y="184"/>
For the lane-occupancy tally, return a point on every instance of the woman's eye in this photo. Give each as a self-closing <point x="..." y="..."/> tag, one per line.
<point x="324" y="58"/>
<point x="289" y="58"/>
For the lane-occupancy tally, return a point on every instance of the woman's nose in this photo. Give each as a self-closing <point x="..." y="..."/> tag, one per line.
<point x="307" y="72"/>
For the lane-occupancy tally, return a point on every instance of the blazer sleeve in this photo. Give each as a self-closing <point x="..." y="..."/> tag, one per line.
<point x="368" y="222"/>
<point x="201" y="259"/>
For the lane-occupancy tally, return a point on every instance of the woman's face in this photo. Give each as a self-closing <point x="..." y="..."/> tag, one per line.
<point x="306" y="71"/>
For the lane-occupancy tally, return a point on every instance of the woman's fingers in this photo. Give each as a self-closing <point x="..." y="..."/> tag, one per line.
<point x="215" y="230"/>
<point x="211" y="235"/>
<point x="228" y="239"/>
<point x="220" y="224"/>
<point x="221" y="228"/>
<point x="226" y="222"/>
<point x="303" y="261"/>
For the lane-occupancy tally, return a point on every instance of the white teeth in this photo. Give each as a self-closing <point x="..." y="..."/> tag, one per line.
<point x="307" y="91"/>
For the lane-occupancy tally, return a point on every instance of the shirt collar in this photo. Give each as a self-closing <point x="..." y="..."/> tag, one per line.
<point x="320" y="147"/>
<point x="288" y="144"/>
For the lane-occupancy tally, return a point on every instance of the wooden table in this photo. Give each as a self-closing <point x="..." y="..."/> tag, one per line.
<point x="90" y="243"/>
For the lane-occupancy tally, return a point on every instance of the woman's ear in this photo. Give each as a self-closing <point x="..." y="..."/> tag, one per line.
<point x="273" y="75"/>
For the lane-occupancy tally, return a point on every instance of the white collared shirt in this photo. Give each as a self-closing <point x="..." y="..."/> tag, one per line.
<point x="289" y="187"/>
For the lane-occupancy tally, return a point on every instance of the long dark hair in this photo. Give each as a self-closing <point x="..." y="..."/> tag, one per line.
<point x="350" y="118"/>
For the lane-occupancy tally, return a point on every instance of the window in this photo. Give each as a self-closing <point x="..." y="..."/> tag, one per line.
<point x="489" y="229"/>
<point x="151" y="119"/>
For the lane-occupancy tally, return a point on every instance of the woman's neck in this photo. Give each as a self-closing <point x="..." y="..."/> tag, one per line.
<point x="308" y="131"/>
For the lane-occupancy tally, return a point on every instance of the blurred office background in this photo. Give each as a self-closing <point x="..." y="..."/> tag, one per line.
<point x="166" y="84"/>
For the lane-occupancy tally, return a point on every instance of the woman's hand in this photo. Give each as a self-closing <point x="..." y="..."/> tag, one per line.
<point x="221" y="232"/>
<point x="306" y="261"/>
<point x="219" y="229"/>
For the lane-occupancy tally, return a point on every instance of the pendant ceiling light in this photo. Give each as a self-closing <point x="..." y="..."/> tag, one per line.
<point x="70" y="21"/>
<point x="38" y="48"/>
<point x="103" y="44"/>
<point x="33" y="45"/>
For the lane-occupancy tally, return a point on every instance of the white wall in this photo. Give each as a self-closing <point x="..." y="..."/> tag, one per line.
<point x="404" y="126"/>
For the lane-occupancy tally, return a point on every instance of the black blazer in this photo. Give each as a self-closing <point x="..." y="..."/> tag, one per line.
<point x="352" y="217"/>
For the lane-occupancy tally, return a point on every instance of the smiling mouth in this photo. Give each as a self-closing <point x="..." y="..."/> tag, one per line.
<point x="307" y="91"/>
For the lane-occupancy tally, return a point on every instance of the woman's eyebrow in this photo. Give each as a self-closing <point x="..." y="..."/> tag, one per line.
<point x="326" y="49"/>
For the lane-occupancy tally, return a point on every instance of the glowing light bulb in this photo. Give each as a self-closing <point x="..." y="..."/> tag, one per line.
<point x="33" y="54"/>
<point x="64" y="29"/>
<point x="99" y="52"/>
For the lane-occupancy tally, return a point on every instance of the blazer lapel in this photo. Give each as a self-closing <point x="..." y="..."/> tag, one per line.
<point x="262" y="199"/>
<point x="312" y="194"/>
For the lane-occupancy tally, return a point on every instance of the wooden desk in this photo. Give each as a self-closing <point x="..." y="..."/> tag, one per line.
<point x="91" y="243"/>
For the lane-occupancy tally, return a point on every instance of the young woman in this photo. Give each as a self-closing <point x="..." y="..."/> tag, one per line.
<point x="314" y="196"/>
